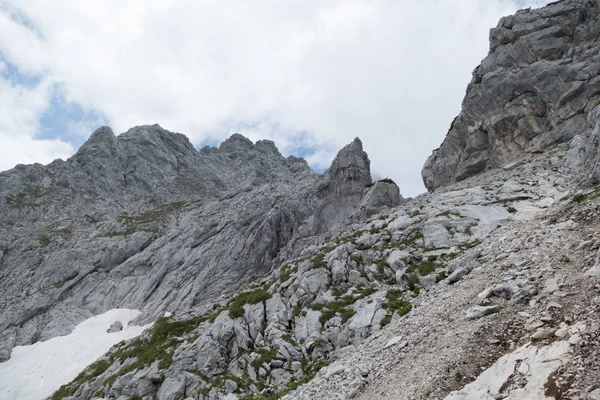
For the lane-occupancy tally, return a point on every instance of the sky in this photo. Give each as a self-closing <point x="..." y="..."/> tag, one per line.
<point x="310" y="75"/>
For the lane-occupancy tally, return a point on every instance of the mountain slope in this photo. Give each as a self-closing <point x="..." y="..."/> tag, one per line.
<point x="287" y="284"/>
<point x="534" y="90"/>
<point x="145" y="221"/>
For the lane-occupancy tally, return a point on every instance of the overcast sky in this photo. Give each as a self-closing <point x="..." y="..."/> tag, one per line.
<point x="310" y="75"/>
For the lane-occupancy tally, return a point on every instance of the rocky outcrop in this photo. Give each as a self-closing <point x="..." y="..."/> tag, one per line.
<point x="143" y="220"/>
<point x="534" y="90"/>
<point x="321" y="306"/>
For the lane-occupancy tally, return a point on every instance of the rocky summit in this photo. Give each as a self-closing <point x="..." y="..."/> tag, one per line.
<point x="141" y="268"/>
<point x="534" y="90"/>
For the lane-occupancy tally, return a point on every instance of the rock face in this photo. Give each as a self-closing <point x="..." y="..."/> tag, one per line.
<point x="327" y="302"/>
<point x="287" y="284"/>
<point x="145" y="221"/>
<point x="534" y="90"/>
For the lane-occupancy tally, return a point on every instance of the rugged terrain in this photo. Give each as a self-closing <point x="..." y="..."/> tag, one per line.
<point x="534" y="90"/>
<point x="144" y="220"/>
<point x="276" y="282"/>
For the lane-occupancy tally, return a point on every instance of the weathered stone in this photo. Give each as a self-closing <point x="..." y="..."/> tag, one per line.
<point x="115" y="327"/>
<point x="457" y="275"/>
<point x="481" y="311"/>
<point x="513" y="106"/>
<point x="543" y="333"/>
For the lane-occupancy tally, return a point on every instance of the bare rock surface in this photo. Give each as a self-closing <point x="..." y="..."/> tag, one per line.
<point x="282" y="283"/>
<point x="144" y="220"/>
<point x="534" y="90"/>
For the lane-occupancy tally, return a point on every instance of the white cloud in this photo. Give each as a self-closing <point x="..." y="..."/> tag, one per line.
<point x="19" y="120"/>
<point x="21" y="149"/>
<point x="300" y="73"/>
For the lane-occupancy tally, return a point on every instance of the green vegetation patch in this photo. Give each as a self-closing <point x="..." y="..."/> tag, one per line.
<point x="424" y="268"/>
<point x="46" y="238"/>
<point x="411" y="240"/>
<point x="318" y="261"/>
<point x="265" y="356"/>
<point x="469" y="245"/>
<point x="88" y="375"/>
<point x="395" y="302"/>
<point x="447" y="213"/>
<point x="146" y="221"/>
<point x="286" y="272"/>
<point x="26" y="198"/>
<point x="337" y="307"/>
<point x="236" y="304"/>
<point x="414" y="213"/>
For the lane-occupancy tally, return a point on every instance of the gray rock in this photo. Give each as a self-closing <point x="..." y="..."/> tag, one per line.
<point x="551" y="286"/>
<point x="481" y="311"/>
<point x="543" y="333"/>
<point x="513" y="106"/>
<point x="280" y="376"/>
<point x="115" y="327"/>
<point x="230" y="386"/>
<point x="396" y="259"/>
<point x="594" y="271"/>
<point x="400" y="276"/>
<point x="172" y="389"/>
<point x="457" y="275"/>
<point x="143" y="220"/>
<point x="380" y="196"/>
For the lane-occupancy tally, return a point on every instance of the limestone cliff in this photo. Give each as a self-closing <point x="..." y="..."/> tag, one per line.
<point x="534" y="90"/>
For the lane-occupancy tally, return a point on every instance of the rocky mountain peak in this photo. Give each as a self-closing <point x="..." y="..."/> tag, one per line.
<point x="102" y="144"/>
<point x="349" y="175"/>
<point x="350" y="169"/>
<point x="148" y="136"/>
<point x="533" y="91"/>
<point x="251" y="277"/>
<point x="236" y="142"/>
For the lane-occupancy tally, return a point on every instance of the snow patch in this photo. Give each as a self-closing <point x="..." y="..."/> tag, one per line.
<point x="36" y="371"/>
<point x="528" y="366"/>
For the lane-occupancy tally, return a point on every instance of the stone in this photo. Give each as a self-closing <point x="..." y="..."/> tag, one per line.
<point x="561" y="333"/>
<point x="594" y="271"/>
<point x="115" y="327"/>
<point x="534" y="365"/>
<point x="551" y="286"/>
<point x="481" y="311"/>
<point x="543" y="333"/>
<point x="383" y="194"/>
<point x="280" y="376"/>
<point x="230" y="386"/>
<point x="396" y="259"/>
<point x="575" y="339"/>
<point x="172" y="389"/>
<point x="594" y="395"/>
<point x="392" y="342"/>
<point x="553" y="305"/>
<point x="399" y="276"/>
<point x="457" y="275"/>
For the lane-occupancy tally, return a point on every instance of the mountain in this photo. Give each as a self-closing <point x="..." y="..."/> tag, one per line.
<point x="145" y="221"/>
<point x="236" y="273"/>
<point x="534" y="91"/>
